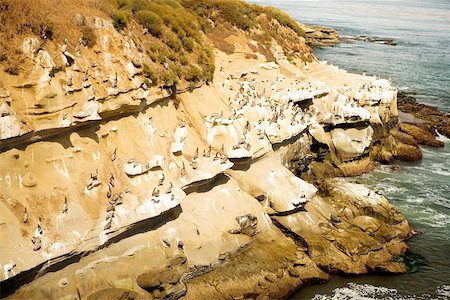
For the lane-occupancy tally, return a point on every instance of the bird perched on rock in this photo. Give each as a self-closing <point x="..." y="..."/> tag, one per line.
<point x="41" y="46"/>
<point x="161" y="178"/>
<point x="65" y="206"/>
<point x="155" y="192"/>
<point x="224" y="159"/>
<point x="208" y="153"/>
<point x="112" y="180"/>
<point x="117" y="199"/>
<point x="108" y="192"/>
<point x="196" y="154"/>
<point x="86" y="75"/>
<point x="180" y="243"/>
<point x="108" y="224"/>
<point x="64" y="46"/>
<point x="37" y="243"/>
<point x="166" y="242"/>
<point x="25" y="215"/>
<point x="114" y="154"/>
<point x="39" y="230"/>
<point x="194" y="164"/>
<point x="91" y="97"/>
<point x="114" y="82"/>
<point x="110" y="207"/>
<point x="70" y="81"/>
<point x="169" y="189"/>
<point x="334" y="219"/>
<point x="78" y="47"/>
<point x="217" y="156"/>
<point x="183" y="170"/>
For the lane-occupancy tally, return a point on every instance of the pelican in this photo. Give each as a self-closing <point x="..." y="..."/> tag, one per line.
<point x="37" y="243"/>
<point x="224" y="159"/>
<point x="64" y="46"/>
<point x="112" y="180"/>
<point x="70" y="81"/>
<point x="161" y="178"/>
<point x="194" y="164"/>
<point x="25" y="215"/>
<point x="114" y="154"/>
<point x="208" y="154"/>
<point x="217" y="156"/>
<point x="92" y="96"/>
<point x="183" y="170"/>
<point x="86" y="75"/>
<point x="155" y="193"/>
<point x="39" y="226"/>
<point x="110" y="207"/>
<point x="117" y="199"/>
<point x="65" y="206"/>
<point x="108" y="192"/>
<point x="196" y="154"/>
<point x="169" y="189"/>
<point x="114" y="83"/>
<point x="166" y="242"/>
<point x="108" y="224"/>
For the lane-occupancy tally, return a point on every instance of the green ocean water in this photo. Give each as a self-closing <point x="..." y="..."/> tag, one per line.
<point x="420" y="62"/>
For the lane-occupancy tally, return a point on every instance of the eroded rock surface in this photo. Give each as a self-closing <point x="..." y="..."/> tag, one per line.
<point x="138" y="192"/>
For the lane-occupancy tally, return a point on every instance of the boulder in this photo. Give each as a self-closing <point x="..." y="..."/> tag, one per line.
<point x="406" y="152"/>
<point x="422" y="136"/>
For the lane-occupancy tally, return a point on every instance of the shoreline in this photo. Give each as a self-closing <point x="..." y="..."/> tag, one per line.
<point x="260" y="215"/>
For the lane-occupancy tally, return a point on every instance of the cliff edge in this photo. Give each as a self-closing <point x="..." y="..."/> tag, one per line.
<point x="130" y="172"/>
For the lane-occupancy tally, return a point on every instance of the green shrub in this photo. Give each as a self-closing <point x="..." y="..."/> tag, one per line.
<point x="172" y="40"/>
<point x="151" y="21"/>
<point x="188" y="43"/>
<point x="150" y="73"/>
<point x="284" y="19"/>
<point x="88" y="36"/>
<point x="184" y="59"/>
<point x="120" y="19"/>
<point x="172" y="56"/>
<point x="137" y="5"/>
<point x="169" y="78"/>
<point x="194" y="74"/>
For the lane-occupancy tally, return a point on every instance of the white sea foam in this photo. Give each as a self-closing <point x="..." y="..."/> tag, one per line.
<point x="355" y="291"/>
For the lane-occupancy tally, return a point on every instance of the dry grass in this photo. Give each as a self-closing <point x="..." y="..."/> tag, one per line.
<point x="176" y="30"/>
<point x="218" y="35"/>
<point x="54" y="19"/>
<point x="270" y="24"/>
<point x="174" y="38"/>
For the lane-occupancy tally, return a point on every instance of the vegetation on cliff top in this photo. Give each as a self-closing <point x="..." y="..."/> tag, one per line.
<point x="176" y="36"/>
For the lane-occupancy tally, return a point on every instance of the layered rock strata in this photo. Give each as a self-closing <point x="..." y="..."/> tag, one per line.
<point x="111" y="187"/>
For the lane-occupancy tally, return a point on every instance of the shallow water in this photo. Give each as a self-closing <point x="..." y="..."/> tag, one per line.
<point x="421" y="59"/>
<point x="420" y="62"/>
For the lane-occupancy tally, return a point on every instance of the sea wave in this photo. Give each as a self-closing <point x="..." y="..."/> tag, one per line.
<point x="369" y="292"/>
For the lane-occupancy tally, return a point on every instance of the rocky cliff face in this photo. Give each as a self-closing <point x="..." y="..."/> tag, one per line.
<point x="110" y="187"/>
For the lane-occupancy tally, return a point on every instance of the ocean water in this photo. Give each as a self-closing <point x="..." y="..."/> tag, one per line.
<point x="420" y="62"/>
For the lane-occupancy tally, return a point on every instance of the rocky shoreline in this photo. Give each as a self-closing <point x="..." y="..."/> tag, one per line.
<point x="113" y="189"/>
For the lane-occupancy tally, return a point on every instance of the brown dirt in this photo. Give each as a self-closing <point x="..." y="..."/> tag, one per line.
<point x="272" y="267"/>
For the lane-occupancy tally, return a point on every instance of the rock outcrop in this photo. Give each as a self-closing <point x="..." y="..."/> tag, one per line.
<point x="316" y="35"/>
<point x="152" y="192"/>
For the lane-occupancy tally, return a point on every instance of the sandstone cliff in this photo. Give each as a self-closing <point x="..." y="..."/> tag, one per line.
<point x="111" y="185"/>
